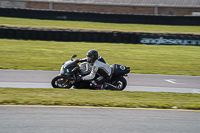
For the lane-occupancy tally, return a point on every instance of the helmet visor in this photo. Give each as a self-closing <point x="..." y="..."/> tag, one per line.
<point x="89" y="59"/>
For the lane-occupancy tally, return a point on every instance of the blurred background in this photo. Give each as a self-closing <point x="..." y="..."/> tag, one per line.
<point x="109" y="26"/>
<point x="155" y="7"/>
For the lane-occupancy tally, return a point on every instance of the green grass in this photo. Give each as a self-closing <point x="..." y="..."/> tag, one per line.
<point x="37" y="23"/>
<point x="99" y="98"/>
<point x="49" y="55"/>
<point x="43" y="55"/>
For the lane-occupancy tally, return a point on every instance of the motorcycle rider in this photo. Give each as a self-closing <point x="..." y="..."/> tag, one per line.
<point x="99" y="67"/>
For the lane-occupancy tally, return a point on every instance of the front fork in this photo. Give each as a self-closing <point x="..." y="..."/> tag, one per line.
<point x="68" y="79"/>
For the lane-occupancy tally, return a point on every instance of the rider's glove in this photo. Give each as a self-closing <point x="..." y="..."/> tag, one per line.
<point x="83" y="60"/>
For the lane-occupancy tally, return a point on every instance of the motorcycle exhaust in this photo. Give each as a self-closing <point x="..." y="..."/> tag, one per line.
<point x="110" y="86"/>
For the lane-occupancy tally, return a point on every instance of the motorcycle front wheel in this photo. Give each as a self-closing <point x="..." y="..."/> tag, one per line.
<point x="60" y="82"/>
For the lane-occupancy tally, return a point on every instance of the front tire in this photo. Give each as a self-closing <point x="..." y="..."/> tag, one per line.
<point x="60" y="82"/>
<point x="120" y="83"/>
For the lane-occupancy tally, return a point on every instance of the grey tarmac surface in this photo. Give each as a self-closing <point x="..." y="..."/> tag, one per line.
<point x="96" y="120"/>
<point x="136" y="82"/>
<point x="43" y="119"/>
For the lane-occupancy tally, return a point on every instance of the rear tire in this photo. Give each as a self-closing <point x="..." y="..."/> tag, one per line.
<point x="60" y="82"/>
<point x="120" y="83"/>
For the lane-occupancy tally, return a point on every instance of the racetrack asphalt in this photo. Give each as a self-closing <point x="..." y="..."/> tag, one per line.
<point x="136" y="82"/>
<point x="33" y="119"/>
<point x="62" y="119"/>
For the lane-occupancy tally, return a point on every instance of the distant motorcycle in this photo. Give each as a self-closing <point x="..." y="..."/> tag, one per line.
<point x="70" y="70"/>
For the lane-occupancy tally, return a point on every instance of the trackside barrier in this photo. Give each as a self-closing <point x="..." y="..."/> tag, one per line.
<point x="92" y="36"/>
<point x="99" y="17"/>
<point x="169" y="39"/>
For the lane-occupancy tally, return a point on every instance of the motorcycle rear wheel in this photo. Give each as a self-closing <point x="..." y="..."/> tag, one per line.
<point x="60" y="82"/>
<point x="120" y="83"/>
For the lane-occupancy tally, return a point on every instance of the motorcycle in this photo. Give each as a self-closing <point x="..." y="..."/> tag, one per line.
<point x="70" y="71"/>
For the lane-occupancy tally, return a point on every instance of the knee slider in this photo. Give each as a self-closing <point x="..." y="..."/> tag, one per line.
<point x="93" y="83"/>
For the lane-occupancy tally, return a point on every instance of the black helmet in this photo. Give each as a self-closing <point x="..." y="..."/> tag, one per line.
<point x="92" y="56"/>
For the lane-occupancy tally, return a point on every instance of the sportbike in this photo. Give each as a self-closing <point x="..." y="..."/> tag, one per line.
<point x="71" y="70"/>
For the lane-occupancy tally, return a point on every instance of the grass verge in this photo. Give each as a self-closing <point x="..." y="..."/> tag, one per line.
<point x="97" y="26"/>
<point x="68" y="97"/>
<point x="152" y="59"/>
